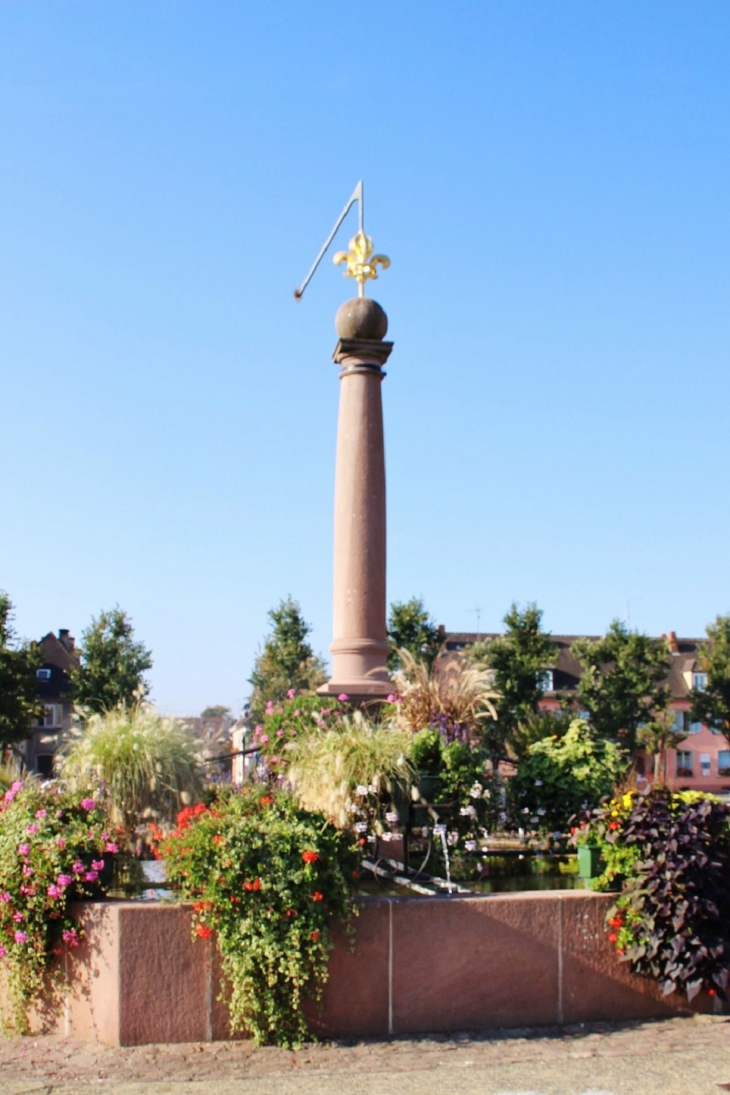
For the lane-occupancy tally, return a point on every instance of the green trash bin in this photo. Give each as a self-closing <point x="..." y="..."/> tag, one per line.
<point x="589" y="860"/>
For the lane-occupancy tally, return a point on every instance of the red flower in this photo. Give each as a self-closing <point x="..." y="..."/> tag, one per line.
<point x="315" y="935"/>
<point x="615" y="922"/>
<point x="217" y="838"/>
<point x="266" y="800"/>
<point x="317" y="896"/>
<point x="291" y="912"/>
<point x="612" y="937"/>
<point x="614" y="825"/>
<point x="203" y="932"/>
<point x="712" y="992"/>
<point x="310" y="857"/>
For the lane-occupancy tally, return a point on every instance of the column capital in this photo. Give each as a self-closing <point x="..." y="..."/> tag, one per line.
<point x="361" y="351"/>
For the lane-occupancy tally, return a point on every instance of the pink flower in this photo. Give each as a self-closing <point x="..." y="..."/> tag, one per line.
<point x="20" y="937"/>
<point x="28" y="871"/>
<point x="291" y="693"/>
<point x="264" y="737"/>
<point x="32" y="829"/>
<point x="9" y="796"/>
<point x="63" y="881"/>
<point x="78" y="867"/>
<point x="3" y="952"/>
<point x="16" y="786"/>
<point x="97" y="864"/>
<point x="111" y="847"/>
<point x="280" y="733"/>
<point x="91" y="876"/>
<point x="17" y="917"/>
<point x="53" y="891"/>
<point x="70" y="936"/>
<point x="391" y="698"/>
<point x="61" y="842"/>
<point x="6" y="898"/>
<point x="258" y="730"/>
<point x="343" y="697"/>
<point x="41" y="813"/>
<point x="24" y="849"/>
<point x="87" y="804"/>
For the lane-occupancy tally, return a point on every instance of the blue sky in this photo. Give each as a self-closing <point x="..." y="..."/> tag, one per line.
<point x="551" y="184"/>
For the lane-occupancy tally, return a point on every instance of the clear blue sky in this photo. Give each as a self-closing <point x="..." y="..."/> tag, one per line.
<point x="551" y="183"/>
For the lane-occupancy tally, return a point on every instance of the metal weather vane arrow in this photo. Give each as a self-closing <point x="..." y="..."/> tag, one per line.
<point x="360" y="262"/>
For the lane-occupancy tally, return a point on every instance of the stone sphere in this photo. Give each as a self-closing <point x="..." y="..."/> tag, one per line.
<point x="361" y="318"/>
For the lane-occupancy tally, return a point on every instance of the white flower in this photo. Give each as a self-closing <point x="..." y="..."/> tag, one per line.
<point x="468" y="811"/>
<point x="439" y="830"/>
<point x="476" y="791"/>
<point x="362" y="826"/>
<point x="541" y="811"/>
<point x="538" y="783"/>
<point x="361" y="790"/>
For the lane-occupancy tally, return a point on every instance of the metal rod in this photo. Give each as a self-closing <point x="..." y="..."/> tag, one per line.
<point x="357" y="196"/>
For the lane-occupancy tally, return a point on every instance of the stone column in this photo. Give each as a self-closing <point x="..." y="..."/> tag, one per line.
<point x="359" y="645"/>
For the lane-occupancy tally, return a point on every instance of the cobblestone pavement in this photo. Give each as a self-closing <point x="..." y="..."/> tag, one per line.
<point x="680" y="1056"/>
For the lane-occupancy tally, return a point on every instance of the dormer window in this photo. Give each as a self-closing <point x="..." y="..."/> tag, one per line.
<point x="699" y="682"/>
<point x="43" y="674"/>
<point x="545" y="681"/>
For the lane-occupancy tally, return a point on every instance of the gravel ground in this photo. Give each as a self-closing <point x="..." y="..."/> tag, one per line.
<point x="680" y="1056"/>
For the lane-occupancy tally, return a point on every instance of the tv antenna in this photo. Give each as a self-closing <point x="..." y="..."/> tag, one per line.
<point x="360" y="262"/>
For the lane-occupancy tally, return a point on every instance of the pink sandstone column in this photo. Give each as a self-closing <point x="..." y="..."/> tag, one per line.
<point x="359" y="645"/>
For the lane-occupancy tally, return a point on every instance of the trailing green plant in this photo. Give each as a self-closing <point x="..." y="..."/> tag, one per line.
<point x="53" y="848"/>
<point x="270" y="881"/>
<point x="561" y="775"/>
<point x="672" y="920"/>
<point x="286" y="721"/>
<point x="602" y="827"/>
<point x="146" y="765"/>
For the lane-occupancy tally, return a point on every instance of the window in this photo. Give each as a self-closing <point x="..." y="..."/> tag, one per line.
<point x="48" y="719"/>
<point x="699" y="682"/>
<point x="684" y="762"/>
<point x="43" y="674"/>
<point x="545" y="681"/>
<point x="705" y="764"/>
<point x="44" y="765"/>
<point x="723" y="762"/>
<point x="681" y="721"/>
<point x="695" y="727"/>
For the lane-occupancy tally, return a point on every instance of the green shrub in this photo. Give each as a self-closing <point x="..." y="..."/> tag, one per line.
<point x="561" y="775"/>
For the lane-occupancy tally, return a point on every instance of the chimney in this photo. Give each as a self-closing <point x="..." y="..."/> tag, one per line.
<point x="66" y="639"/>
<point x="672" y="644"/>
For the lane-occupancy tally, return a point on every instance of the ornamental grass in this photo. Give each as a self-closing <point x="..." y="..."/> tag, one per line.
<point x="146" y="765"/>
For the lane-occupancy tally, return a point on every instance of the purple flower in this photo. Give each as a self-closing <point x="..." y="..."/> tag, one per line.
<point x="41" y="813"/>
<point x="91" y="876"/>
<point x="20" y="937"/>
<point x="32" y="829"/>
<point x="53" y="890"/>
<point x="64" y="880"/>
<point x="97" y="864"/>
<point x="87" y="804"/>
<point x="70" y="936"/>
<point x="78" y="867"/>
<point x="343" y="697"/>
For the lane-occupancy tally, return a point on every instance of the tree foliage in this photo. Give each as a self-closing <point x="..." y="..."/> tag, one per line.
<point x="712" y="704"/>
<point x="112" y="667"/>
<point x="215" y="711"/>
<point x="517" y="661"/>
<point x="623" y="683"/>
<point x="18" y="664"/>
<point x="411" y="628"/>
<point x="287" y="660"/>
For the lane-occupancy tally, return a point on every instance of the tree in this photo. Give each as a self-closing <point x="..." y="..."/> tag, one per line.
<point x="215" y="711"/>
<point x="711" y="704"/>
<point x="411" y="628"/>
<point x="622" y="684"/>
<point x="517" y="660"/>
<point x="287" y="660"/>
<point x="18" y="664"/>
<point x="112" y="667"/>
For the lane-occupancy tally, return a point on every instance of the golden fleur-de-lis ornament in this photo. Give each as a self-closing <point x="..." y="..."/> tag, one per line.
<point x="360" y="261"/>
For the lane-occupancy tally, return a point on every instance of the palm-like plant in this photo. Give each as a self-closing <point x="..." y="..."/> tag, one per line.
<point x="144" y="765"/>
<point x="327" y="768"/>
<point x="452" y="695"/>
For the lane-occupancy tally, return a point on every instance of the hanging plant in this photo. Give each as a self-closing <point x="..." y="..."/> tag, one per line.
<point x="269" y="880"/>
